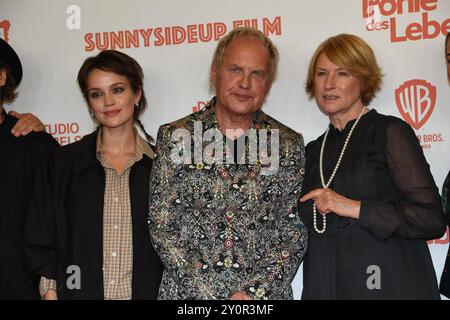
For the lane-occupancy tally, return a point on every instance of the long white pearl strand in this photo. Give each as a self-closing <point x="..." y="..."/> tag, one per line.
<point x="325" y="185"/>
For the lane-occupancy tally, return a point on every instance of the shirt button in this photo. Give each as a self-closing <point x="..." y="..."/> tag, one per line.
<point x="114" y="254"/>
<point x="116" y="199"/>
<point x="116" y="227"/>
<point x="252" y="226"/>
<point x="112" y="282"/>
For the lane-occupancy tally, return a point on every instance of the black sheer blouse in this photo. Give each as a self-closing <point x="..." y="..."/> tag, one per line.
<point x="385" y="168"/>
<point x="444" y="285"/>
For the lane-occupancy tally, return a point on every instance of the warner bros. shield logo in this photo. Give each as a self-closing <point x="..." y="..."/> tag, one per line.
<point x="416" y="100"/>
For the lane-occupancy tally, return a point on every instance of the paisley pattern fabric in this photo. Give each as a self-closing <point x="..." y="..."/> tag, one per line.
<point x="221" y="228"/>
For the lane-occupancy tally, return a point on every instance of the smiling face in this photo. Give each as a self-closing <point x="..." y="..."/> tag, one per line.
<point x="242" y="81"/>
<point x="336" y="90"/>
<point x="111" y="98"/>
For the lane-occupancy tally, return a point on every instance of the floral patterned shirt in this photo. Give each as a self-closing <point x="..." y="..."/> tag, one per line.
<point x="221" y="228"/>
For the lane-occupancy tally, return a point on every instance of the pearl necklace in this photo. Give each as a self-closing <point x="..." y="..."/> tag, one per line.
<point x="325" y="185"/>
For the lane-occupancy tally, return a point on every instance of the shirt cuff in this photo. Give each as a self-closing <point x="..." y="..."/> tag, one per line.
<point x="45" y="285"/>
<point x="364" y="214"/>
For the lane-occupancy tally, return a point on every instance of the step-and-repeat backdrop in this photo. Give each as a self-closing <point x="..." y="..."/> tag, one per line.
<point x="174" y="40"/>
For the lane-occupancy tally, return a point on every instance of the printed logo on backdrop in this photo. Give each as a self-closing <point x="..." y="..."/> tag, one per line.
<point x="444" y="240"/>
<point x="64" y="133"/>
<point x="175" y="35"/>
<point x="4" y="29"/>
<point x="200" y="105"/>
<point x="396" y="16"/>
<point x="415" y="101"/>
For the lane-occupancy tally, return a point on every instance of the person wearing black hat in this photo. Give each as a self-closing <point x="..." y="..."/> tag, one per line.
<point x="27" y="122"/>
<point x="19" y="159"/>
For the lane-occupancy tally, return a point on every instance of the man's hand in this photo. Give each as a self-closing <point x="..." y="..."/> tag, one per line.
<point x="27" y="122"/>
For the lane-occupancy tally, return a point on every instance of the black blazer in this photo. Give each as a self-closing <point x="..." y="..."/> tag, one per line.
<point x="65" y="224"/>
<point x="19" y="159"/>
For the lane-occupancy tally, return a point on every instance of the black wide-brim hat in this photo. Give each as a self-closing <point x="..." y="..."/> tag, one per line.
<point x="9" y="57"/>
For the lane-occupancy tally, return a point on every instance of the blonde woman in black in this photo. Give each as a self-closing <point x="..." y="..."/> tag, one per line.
<point x="368" y="198"/>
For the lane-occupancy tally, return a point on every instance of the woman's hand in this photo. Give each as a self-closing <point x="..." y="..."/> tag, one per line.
<point x="328" y="201"/>
<point x="50" y="295"/>
<point x="240" y="296"/>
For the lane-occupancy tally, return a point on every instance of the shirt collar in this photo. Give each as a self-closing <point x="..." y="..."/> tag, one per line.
<point x="142" y="147"/>
<point x="365" y="117"/>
